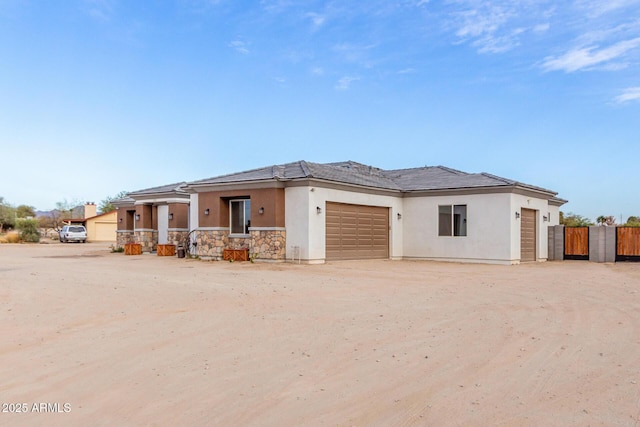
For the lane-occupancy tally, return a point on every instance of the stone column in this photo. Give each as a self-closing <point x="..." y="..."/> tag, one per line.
<point x="123" y="237"/>
<point x="147" y="238"/>
<point x="210" y="241"/>
<point x="267" y="243"/>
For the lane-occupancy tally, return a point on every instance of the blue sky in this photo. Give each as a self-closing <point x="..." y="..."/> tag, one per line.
<point x="99" y="96"/>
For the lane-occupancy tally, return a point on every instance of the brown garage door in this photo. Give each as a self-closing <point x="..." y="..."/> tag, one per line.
<point x="527" y="235"/>
<point x="356" y="231"/>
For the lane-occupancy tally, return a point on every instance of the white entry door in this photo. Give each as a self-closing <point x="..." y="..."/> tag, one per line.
<point x="163" y="224"/>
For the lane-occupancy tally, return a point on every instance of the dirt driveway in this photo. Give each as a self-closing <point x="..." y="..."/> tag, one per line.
<point x="91" y="338"/>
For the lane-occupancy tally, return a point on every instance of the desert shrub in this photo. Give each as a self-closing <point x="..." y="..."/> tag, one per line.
<point x="28" y="229"/>
<point x="117" y="249"/>
<point x="11" y="237"/>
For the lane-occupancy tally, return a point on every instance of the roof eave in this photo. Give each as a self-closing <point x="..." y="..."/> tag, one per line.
<point x="213" y="186"/>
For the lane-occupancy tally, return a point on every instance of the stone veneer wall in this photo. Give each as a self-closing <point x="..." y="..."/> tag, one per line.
<point x="123" y="237"/>
<point x="148" y="239"/>
<point x="268" y="244"/>
<point x="177" y="237"/>
<point x="210" y="243"/>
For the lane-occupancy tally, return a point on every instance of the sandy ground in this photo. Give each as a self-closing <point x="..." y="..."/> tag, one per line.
<point x="106" y="339"/>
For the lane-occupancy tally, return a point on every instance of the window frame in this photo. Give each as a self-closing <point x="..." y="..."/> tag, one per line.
<point x="451" y="230"/>
<point x="246" y="222"/>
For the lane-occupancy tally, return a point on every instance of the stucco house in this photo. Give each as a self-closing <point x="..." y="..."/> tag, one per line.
<point x="100" y="227"/>
<point x="311" y="213"/>
<point x="153" y="215"/>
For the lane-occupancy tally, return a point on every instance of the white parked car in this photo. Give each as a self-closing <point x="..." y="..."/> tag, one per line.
<point x="73" y="233"/>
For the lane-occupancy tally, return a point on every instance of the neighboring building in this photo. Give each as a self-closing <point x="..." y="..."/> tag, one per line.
<point x="152" y="216"/>
<point x="100" y="228"/>
<point x="317" y="212"/>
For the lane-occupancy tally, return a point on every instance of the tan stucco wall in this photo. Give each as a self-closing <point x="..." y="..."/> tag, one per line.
<point x="102" y="228"/>
<point x="271" y="199"/>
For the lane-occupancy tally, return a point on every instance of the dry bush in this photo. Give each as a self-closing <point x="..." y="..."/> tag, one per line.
<point x="12" y="237"/>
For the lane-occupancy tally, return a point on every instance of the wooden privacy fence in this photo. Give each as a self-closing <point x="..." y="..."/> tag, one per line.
<point x="576" y="243"/>
<point x="627" y="243"/>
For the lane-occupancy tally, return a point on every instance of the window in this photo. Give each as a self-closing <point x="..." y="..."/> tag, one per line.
<point x="452" y="220"/>
<point x="240" y="216"/>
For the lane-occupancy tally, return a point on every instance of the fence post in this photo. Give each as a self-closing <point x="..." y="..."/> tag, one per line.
<point x="610" y="244"/>
<point x="556" y="243"/>
<point x="559" y="239"/>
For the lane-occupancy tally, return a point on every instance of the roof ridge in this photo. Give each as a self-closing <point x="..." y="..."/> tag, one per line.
<point x="499" y="178"/>
<point x="452" y="170"/>
<point x="277" y="171"/>
<point x="174" y="185"/>
<point x="304" y="165"/>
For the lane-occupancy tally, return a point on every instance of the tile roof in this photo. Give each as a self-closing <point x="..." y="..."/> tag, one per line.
<point x="169" y="188"/>
<point x="349" y="172"/>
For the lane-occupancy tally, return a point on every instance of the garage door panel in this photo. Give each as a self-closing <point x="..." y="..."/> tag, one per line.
<point x="527" y="235"/>
<point x="356" y="231"/>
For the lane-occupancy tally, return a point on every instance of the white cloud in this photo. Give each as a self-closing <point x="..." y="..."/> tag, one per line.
<point x="276" y="6"/>
<point x="588" y="57"/>
<point x="496" y="26"/>
<point x="239" y="46"/>
<point x="345" y="82"/>
<point x="101" y="10"/>
<point x="628" y="95"/>
<point x="596" y="8"/>
<point x="317" y="20"/>
<point x="317" y="71"/>
<point x="541" y="28"/>
<point x="358" y="54"/>
<point x="407" y="71"/>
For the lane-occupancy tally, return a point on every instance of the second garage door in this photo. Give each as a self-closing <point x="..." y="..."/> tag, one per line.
<point x="356" y="231"/>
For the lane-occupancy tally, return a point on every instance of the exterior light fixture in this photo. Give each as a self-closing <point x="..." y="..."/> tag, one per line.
<point x="120" y="220"/>
<point x="261" y="210"/>
<point x="545" y="219"/>
<point x="517" y="215"/>
<point x="206" y="211"/>
<point x="399" y="215"/>
<point x="137" y="217"/>
<point x="170" y="216"/>
<point x="318" y="210"/>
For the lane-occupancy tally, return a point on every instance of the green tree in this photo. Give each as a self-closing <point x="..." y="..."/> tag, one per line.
<point x="574" y="220"/>
<point x="633" y="221"/>
<point x="7" y="215"/>
<point x="107" y="204"/>
<point x="25" y="211"/>
<point x="28" y="230"/>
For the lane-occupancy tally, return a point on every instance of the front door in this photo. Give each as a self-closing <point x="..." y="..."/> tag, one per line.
<point x="163" y="224"/>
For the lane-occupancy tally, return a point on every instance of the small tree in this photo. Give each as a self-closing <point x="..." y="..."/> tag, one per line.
<point x="7" y="215"/>
<point x="55" y="219"/>
<point x="573" y="220"/>
<point x="107" y="204"/>
<point x="633" y="221"/>
<point x="28" y="230"/>
<point x="25" y="211"/>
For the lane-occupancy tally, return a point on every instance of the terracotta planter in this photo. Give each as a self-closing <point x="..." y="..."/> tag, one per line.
<point x="235" y="254"/>
<point x="166" y="250"/>
<point x="133" y="249"/>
